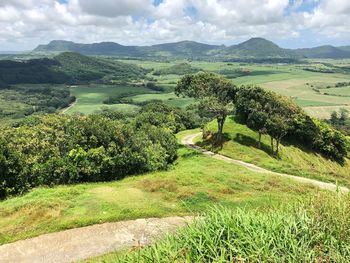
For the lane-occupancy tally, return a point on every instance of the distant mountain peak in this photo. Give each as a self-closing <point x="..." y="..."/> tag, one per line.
<point x="254" y="48"/>
<point x="257" y="42"/>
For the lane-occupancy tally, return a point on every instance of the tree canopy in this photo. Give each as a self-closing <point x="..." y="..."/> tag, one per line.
<point x="214" y="93"/>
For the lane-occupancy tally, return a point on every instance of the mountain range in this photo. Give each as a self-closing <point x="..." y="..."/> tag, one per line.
<point x="254" y="48"/>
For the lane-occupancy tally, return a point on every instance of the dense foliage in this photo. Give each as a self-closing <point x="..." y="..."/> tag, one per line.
<point x="341" y="120"/>
<point x="214" y="93"/>
<point x="162" y="115"/>
<point x="22" y="100"/>
<point x="66" y="68"/>
<point x="178" y="69"/>
<point x="316" y="230"/>
<point x="32" y="71"/>
<point x="57" y="149"/>
<point x="279" y="117"/>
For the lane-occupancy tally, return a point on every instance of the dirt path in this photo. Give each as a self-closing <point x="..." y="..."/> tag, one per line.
<point x="188" y="141"/>
<point x="86" y="242"/>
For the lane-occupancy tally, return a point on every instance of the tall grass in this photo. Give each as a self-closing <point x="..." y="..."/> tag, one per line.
<point x="313" y="231"/>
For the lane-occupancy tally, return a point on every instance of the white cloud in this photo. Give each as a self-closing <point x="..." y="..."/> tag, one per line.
<point x="26" y="23"/>
<point x="330" y="18"/>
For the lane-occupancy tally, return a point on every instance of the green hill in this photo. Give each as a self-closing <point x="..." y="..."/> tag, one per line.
<point x="324" y="52"/>
<point x="84" y="68"/>
<point x="187" y="49"/>
<point x="67" y="67"/>
<point x="259" y="48"/>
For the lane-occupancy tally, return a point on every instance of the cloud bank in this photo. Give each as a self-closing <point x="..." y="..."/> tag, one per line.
<point x="26" y="23"/>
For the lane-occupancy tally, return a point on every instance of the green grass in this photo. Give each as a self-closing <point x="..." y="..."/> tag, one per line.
<point x="312" y="103"/>
<point x="194" y="182"/>
<point x="343" y="91"/>
<point x="242" y="144"/>
<point x="167" y="98"/>
<point x="90" y="98"/>
<point x="313" y="231"/>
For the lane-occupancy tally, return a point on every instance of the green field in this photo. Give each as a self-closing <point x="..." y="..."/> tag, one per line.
<point x="342" y="91"/>
<point x="193" y="183"/>
<point x="90" y="98"/>
<point x="167" y="98"/>
<point x="287" y="79"/>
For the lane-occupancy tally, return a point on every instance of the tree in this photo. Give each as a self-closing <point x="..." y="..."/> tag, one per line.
<point x="214" y="93"/>
<point x="266" y="112"/>
<point x="250" y="103"/>
<point x="334" y="118"/>
<point x="344" y="115"/>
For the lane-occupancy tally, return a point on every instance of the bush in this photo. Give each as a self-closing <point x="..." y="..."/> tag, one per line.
<point x="58" y="149"/>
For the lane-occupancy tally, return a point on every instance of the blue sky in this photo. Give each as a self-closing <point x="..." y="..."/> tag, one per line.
<point x="290" y="23"/>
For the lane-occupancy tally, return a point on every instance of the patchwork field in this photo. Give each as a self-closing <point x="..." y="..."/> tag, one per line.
<point x="291" y="80"/>
<point x="90" y="98"/>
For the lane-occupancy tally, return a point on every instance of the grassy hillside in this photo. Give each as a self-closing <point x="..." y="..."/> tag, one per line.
<point x="193" y="183"/>
<point x="312" y="231"/>
<point x="242" y="144"/>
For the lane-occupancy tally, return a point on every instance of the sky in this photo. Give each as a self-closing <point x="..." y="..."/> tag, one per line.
<point x="290" y="23"/>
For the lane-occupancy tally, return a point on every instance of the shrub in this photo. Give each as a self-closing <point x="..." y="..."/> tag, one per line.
<point x="58" y="149"/>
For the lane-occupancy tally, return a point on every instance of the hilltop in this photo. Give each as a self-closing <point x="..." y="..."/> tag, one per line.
<point x="254" y="48"/>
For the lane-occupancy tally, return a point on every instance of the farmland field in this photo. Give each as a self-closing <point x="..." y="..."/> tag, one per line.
<point x="90" y="98"/>
<point x="291" y="80"/>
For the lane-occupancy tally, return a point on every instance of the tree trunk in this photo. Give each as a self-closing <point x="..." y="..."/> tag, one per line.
<point x="277" y="146"/>
<point x="272" y="148"/>
<point x="221" y="121"/>
<point x="259" y="144"/>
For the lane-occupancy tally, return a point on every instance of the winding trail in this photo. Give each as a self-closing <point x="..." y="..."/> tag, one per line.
<point x="188" y="141"/>
<point x="91" y="241"/>
<point x="82" y="243"/>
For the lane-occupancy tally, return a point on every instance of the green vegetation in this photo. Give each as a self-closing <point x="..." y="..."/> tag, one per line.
<point x="22" y="100"/>
<point x="278" y="116"/>
<point x="287" y="79"/>
<point x="193" y="183"/>
<point x="242" y="143"/>
<point x="81" y="68"/>
<point x="62" y="149"/>
<point x="214" y="93"/>
<point x="90" y="98"/>
<point x="177" y="69"/>
<point x="66" y="68"/>
<point x="312" y="231"/>
<point x="341" y="120"/>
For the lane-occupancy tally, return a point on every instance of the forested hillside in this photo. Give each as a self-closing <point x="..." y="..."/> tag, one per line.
<point x="67" y="68"/>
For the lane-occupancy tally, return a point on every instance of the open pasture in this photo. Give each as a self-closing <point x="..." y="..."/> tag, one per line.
<point x="90" y="98"/>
